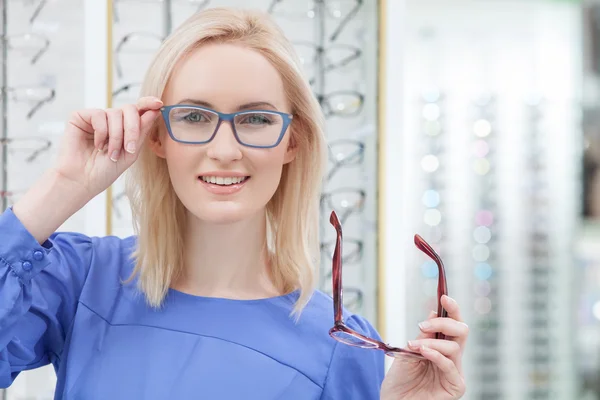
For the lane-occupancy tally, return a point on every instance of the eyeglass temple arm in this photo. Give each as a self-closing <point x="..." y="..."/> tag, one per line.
<point x="442" y="283"/>
<point x="37" y="11"/>
<point x="337" y="270"/>
<point x="345" y="21"/>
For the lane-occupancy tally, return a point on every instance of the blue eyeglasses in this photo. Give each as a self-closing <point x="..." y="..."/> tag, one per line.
<point x="192" y="124"/>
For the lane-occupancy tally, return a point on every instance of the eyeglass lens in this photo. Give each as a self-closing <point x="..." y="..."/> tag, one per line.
<point x="255" y="128"/>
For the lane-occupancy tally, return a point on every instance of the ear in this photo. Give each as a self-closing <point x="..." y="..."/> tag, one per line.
<point x="156" y="144"/>
<point x="290" y="154"/>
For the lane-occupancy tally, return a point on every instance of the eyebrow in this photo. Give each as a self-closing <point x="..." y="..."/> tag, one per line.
<point x="246" y="106"/>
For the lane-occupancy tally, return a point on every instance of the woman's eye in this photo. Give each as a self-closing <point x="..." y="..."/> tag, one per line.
<point x="194" y="117"/>
<point x="256" y="119"/>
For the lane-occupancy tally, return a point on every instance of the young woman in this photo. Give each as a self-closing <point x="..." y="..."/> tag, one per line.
<point x="213" y="298"/>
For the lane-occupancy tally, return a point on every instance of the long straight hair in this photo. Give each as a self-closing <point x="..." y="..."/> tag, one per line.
<point x="292" y="213"/>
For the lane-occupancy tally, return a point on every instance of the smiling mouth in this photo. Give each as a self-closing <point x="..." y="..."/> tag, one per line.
<point x="224" y="180"/>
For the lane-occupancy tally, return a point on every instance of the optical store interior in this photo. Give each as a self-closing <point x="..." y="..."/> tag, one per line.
<point x="474" y="123"/>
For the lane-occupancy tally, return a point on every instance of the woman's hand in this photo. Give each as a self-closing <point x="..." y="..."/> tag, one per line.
<point x="95" y="151"/>
<point x="440" y="376"/>
<point x="99" y="145"/>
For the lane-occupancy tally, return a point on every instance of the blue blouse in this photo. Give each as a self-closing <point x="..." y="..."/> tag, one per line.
<point x="64" y="302"/>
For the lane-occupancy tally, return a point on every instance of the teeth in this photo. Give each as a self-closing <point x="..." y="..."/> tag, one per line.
<point x="219" y="180"/>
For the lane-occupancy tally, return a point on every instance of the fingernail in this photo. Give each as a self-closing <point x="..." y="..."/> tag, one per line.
<point x="413" y="344"/>
<point x="424" y="325"/>
<point x="130" y="147"/>
<point x="424" y="348"/>
<point x="115" y="155"/>
<point x="157" y="101"/>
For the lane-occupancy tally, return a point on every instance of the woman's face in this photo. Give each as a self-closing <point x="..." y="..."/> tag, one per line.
<point x="225" y="78"/>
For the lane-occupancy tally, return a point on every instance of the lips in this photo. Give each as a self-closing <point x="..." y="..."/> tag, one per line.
<point x="224" y="180"/>
<point x="223" y="185"/>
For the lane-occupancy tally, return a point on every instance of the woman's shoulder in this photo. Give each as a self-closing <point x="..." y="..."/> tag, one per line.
<point x="105" y="252"/>
<point x="112" y="257"/>
<point x="106" y="260"/>
<point x="68" y="254"/>
<point x="337" y="363"/>
<point x="352" y="372"/>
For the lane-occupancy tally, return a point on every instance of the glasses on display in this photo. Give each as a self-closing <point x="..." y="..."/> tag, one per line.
<point x="325" y="59"/>
<point x="340" y="10"/>
<point x="35" y="96"/>
<point x="196" y="4"/>
<point x="33" y="7"/>
<point x="484" y="239"/>
<point x="345" y="201"/>
<point x="343" y="334"/>
<point x="343" y="153"/>
<point x="29" y="45"/>
<point x="342" y="103"/>
<point x="127" y="93"/>
<point x="30" y="147"/>
<point x="433" y="147"/>
<point x="484" y="250"/>
<point x="199" y="125"/>
<point x="135" y="43"/>
<point x="539" y="249"/>
<point x="352" y="252"/>
<point x="334" y="69"/>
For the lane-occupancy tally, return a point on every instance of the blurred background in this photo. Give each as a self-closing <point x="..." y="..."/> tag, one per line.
<point x="475" y="123"/>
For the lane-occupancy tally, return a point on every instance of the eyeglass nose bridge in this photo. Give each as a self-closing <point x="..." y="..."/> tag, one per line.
<point x="230" y="118"/>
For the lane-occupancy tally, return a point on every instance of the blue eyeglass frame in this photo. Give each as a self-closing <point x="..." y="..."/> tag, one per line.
<point x="287" y="119"/>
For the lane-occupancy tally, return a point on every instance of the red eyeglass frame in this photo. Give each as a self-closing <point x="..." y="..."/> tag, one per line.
<point x="343" y="334"/>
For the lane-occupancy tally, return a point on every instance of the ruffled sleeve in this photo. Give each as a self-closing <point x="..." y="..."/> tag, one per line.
<point x="39" y="289"/>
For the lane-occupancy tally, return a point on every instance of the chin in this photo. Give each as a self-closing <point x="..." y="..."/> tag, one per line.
<point x="222" y="212"/>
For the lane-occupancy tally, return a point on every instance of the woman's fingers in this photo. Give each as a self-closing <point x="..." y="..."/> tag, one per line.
<point x="149" y="103"/>
<point x="126" y="127"/>
<point x="447" y="326"/>
<point x="116" y="130"/>
<point x="131" y="125"/>
<point x="452" y="326"/>
<point x="424" y="335"/>
<point x="449" y="348"/>
<point x="92" y="122"/>
<point x="147" y="121"/>
<point x="452" y="307"/>
<point x="115" y="133"/>
<point x="450" y="370"/>
<point x="445" y="354"/>
<point x="99" y="124"/>
<point x="148" y="109"/>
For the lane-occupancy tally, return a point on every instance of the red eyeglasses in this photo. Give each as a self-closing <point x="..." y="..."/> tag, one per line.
<point x="343" y="334"/>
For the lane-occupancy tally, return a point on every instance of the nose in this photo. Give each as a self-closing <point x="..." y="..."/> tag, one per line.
<point x="224" y="147"/>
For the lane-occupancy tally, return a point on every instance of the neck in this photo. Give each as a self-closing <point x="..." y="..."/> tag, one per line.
<point x="226" y="260"/>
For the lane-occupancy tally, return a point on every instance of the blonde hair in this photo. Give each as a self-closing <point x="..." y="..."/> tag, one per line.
<point x="293" y="211"/>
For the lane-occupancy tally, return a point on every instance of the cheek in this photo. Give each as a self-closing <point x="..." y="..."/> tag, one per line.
<point x="180" y="160"/>
<point x="269" y="161"/>
<point x="268" y="169"/>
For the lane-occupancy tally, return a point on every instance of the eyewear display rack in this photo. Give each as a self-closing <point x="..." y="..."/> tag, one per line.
<point x="508" y="207"/>
<point x="43" y="78"/>
<point x="3" y="107"/>
<point x="3" y="116"/>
